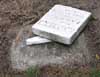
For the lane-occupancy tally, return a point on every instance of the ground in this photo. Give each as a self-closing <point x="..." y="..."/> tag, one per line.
<point x="16" y="14"/>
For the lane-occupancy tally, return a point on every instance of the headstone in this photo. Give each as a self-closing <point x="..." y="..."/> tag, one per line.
<point x="62" y="24"/>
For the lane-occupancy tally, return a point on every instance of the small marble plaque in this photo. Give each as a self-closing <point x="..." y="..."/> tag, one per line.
<point x="62" y="24"/>
<point x="36" y="40"/>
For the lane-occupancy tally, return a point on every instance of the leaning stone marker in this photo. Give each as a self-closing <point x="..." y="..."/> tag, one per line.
<point x="62" y="24"/>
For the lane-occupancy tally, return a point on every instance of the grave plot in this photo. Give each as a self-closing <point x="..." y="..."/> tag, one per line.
<point x="15" y="13"/>
<point x="22" y="56"/>
<point x="62" y="24"/>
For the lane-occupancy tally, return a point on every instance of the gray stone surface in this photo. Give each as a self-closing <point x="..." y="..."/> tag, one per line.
<point x="23" y="56"/>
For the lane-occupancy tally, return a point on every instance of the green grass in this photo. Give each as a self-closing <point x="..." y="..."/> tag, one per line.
<point x="95" y="73"/>
<point x="33" y="72"/>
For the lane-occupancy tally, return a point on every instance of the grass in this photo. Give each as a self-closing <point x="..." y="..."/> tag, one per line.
<point x="33" y="71"/>
<point x="57" y="72"/>
<point x="95" y="73"/>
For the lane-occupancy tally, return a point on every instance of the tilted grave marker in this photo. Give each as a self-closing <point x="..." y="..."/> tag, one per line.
<point x="62" y="24"/>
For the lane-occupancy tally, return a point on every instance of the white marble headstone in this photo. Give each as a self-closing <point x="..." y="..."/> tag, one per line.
<point x="62" y="24"/>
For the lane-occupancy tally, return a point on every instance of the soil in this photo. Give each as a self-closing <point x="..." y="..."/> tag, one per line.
<point x="14" y="14"/>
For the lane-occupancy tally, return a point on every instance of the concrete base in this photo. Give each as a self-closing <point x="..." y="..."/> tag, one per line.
<point x="23" y="56"/>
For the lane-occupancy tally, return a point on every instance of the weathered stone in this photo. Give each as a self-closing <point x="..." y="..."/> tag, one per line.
<point x="23" y="57"/>
<point x="62" y="24"/>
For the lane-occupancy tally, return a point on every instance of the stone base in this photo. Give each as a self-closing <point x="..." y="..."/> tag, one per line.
<point x="23" y="56"/>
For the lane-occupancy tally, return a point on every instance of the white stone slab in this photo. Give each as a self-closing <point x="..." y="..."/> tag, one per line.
<point x="36" y="40"/>
<point x="62" y="24"/>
